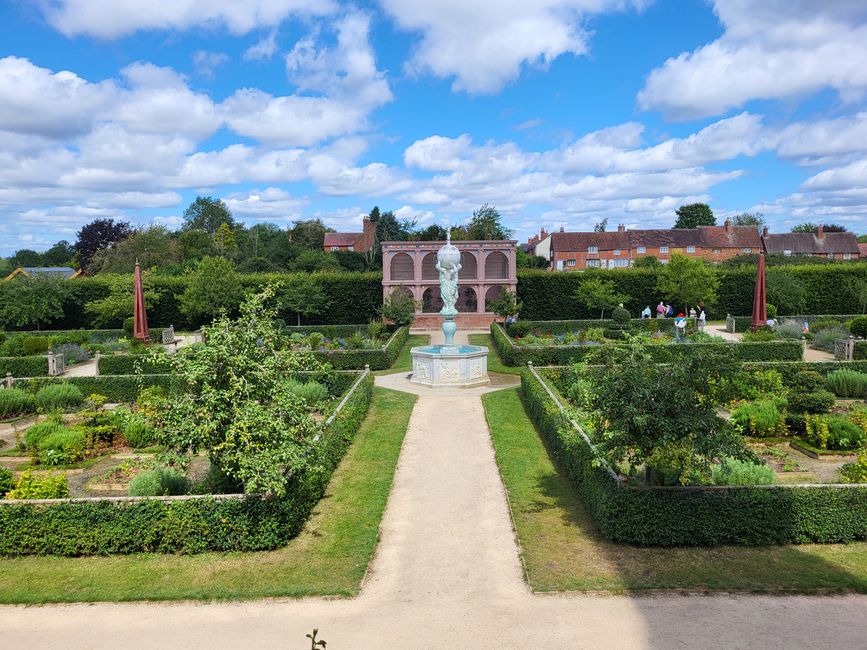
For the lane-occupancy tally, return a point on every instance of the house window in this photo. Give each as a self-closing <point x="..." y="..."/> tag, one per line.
<point x="716" y="251"/>
<point x="592" y="249"/>
<point x="746" y="250"/>
<point x="335" y="248"/>
<point x="846" y="256"/>
<point x="690" y="249"/>
<point x="570" y="262"/>
<point x="787" y="252"/>
<point x="592" y="264"/>
<point x="617" y="251"/>
<point x="663" y="261"/>
<point x="351" y="248"/>
<point x="641" y="250"/>
<point x="663" y="249"/>
<point x="618" y="264"/>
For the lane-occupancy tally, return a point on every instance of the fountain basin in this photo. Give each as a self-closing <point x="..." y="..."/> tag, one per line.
<point x="450" y="365"/>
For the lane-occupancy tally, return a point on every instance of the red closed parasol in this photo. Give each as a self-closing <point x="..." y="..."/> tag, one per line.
<point x="140" y="327"/>
<point x="760" y="298"/>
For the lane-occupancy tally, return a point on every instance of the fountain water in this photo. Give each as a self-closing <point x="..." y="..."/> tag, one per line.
<point x="449" y="364"/>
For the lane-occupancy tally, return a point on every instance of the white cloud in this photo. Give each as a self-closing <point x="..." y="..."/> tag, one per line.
<point x="770" y="50"/>
<point x="271" y="204"/>
<point x="115" y="18"/>
<point x="485" y="43"/>
<point x="206" y="63"/>
<point x="824" y="141"/>
<point x="263" y="49"/>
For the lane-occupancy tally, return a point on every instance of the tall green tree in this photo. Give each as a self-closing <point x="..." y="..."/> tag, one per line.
<point x="487" y="224"/>
<point x="310" y="261"/>
<point x="309" y="234"/>
<point x="756" y="219"/>
<point x="224" y="241"/>
<point x="213" y="287"/>
<point x="97" y="235"/>
<point x="31" y="302"/>
<point x="195" y="244"/>
<point x="154" y="246"/>
<point x="596" y="293"/>
<point x="687" y="280"/>
<point x="208" y="214"/>
<point x="601" y="226"/>
<point x="113" y="309"/>
<point x="694" y="215"/>
<point x="305" y="296"/>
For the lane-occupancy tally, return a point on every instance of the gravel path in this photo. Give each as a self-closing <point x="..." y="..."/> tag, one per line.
<point x="447" y="574"/>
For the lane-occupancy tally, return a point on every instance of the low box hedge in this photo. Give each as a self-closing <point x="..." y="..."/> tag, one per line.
<point x="117" y="388"/>
<point x="182" y="525"/>
<point x="859" y="352"/>
<point x="91" y="336"/>
<point x="743" y="323"/>
<point x="686" y="516"/>
<point x="556" y="355"/>
<point x="376" y="358"/>
<point x="132" y="364"/>
<point x="34" y="366"/>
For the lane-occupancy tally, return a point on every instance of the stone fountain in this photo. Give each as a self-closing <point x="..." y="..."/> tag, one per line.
<point x="449" y="364"/>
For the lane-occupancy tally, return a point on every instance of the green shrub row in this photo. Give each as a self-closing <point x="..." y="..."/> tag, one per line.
<point x="132" y="364"/>
<point x="377" y="359"/>
<point x="24" y="366"/>
<point x="557" y="355"/>
<point x="550" y="296"/>
<point x="190" y="525"/>
<point x="743" y="323"/>
<point x="694" y="516"/>
<point x="859" y="353"/>
<point x="117" y="388"/>
<point x="92" y="335"/>
<point x="352" y="297"/>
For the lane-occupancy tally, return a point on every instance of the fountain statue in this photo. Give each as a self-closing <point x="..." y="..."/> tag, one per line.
<point x="449" y="364"/>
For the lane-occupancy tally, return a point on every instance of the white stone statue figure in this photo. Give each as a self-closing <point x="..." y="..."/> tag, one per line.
<point x="448" y="266"/>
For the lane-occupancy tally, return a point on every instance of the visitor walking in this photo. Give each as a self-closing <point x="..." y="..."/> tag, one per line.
<point x="645" y="313"/>
<point x="702" y="320"/>
<point x="660" y="310"/>
<point x="669" y="311"/>
<point x="680" y="327"/>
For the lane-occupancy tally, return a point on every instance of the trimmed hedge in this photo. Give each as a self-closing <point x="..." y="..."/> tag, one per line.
<point x="557" y="355"/>
<point x="550" y="295"/>
<point x="377" y="358"/>
<point x="743" y="323"/>
<point x="859" y="352"/>
<point x="118" y="388"/>
<point x="193" y="525"/>
<point x="133" y="364"/>
<point x="694" y="516"/>
<point x="36" y="366"/>
<point x="352" y="297"/>
<point x="92" y="335"/>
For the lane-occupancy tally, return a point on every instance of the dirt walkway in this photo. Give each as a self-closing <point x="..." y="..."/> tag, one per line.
<point x="447" y="574"/>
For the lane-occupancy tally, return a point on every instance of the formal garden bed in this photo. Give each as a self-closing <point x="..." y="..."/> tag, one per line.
<point x="208" y="462"/>
<point x="563" y="342"/>
<point x="700" y="452"/>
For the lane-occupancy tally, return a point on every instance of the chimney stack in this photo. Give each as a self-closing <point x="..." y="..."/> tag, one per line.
<point x="562" y="229"/>
<point x="728" y="225"/>
<point x="621" y="228"/>
<point x="543" y="234"/>
<point x="765" y="231"/>
<point x="820" y="232"/>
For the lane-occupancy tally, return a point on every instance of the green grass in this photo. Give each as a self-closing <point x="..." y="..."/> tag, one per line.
<point x="495" y="363"/>
<point x="561" y="550"/>
<point x="329" y="557"/>
<point x="403" y="363"/>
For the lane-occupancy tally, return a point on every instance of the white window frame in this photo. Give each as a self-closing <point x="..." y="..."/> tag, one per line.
<point x="570" y="262"/>
<point x="593" y="264"/>
<point x="335" y="249"/>
<point x="846" y="256"/>
<point x="641" y="250"/>
<point x="617" y="251"/>
<point x="690" y="249"/>
<point x="717" y="251"/>
<point x="593" y="249"/>
<point x="787" y="252"/>
<point x="746" y="249"/>
<point x="663" y="249"/>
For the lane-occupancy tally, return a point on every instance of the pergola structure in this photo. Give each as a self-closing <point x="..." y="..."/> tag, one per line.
<point x="487" y="269"/>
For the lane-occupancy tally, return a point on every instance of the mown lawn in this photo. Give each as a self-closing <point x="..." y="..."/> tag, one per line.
<point x="561" y="550"/>
<point x="403" y="363"/>
<point x="495" y="363"/>
<point x="329" y="557"/>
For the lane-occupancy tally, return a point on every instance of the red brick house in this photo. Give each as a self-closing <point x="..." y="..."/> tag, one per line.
<point x="831" y="245"/>
<point x="360" y="242"/>
<point x="620" y="249"/>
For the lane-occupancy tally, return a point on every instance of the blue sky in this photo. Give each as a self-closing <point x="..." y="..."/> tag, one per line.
<point x="558" y="112"/>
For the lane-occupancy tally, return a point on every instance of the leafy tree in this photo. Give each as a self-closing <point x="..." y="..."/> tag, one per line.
<point x="350" y="260"/>
<point x="596" y="293"/>
<point x="858" y="289"/>
<point x="269" y="241"/>
<point x="399" y="307"/>
<point x="208" y="214"/>
<point x="756" y="219"/>
<point x="664" y="416"/>
<point x="97" y="235"/>
<point x="805" y="227"/>
<point x="214" y="286"/>
<point x="525" y="261"/>
<point x="152" y="247"/>
<point x="28" y="302"/>
<point x="694" y="215"/>
<point x="305" y="297"/>
<point x="310" y="261"/>
<point x="601" y="225"/>
<point x="834" y="227"/>
<point x="434" y="232"/>
<point x="257" y="431"/>
<point x="862" y="239"/>
<point x="486" y="224"/>
<point x="687" y="280"/>
<point x="506" y="305"/>
<point x="256" y="265"/>
<point x="647" y="262"/>
<point x="118" y="305"/>
<point x="787" y="292"/>
<point x="26" y="257"/>
<point x="224" y="240"/>
<point x="309" y="234"/>
<point x="196" y="244"/>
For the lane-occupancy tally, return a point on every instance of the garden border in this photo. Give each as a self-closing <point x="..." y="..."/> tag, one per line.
<point x="694" y="515"/>
<point x="188" y="523"/>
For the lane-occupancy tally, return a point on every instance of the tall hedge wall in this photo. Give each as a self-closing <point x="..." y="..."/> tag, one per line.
<point x="694" y="517"/>
<point x="251" y="523"/>
<point x="558" y="355"/>
<point x="551" y="296"/>
<point x="354" y="297"/>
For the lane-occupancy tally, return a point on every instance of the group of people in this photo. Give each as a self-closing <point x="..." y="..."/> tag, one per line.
<point x="697" y="314"/>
